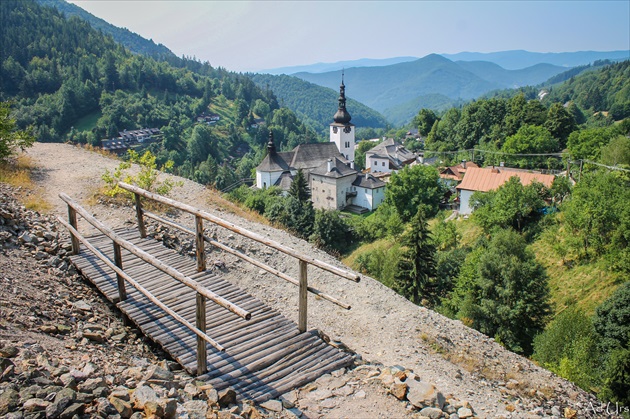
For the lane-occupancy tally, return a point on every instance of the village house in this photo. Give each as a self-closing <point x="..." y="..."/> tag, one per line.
<point x="208" y="118"/>
<point x="329" y="167"/>
<point x="453" y="175"/>
<point x="126" y="139"/>
<point x="491" y="178"/>
<point x="388" y="156"/>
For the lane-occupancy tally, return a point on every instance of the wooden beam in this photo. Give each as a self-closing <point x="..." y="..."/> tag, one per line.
<point x="141" y="227"/>
<point x="154" y="261"/>
<point x="249" y="259"/>
<point x="199" y="244"/>
<point x="202" y="355"/>
<point x="303" y="298"/>
<point x="72" y="219"/>
<point x="139" y="287"/>
<point x="243" y="232"/>
<point x="122" y="292"/>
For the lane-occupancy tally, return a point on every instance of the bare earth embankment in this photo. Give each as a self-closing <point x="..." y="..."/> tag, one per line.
<point x="382" y="328"/>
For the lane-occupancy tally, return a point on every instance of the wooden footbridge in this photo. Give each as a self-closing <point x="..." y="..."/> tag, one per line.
<point x="212" y="328"/>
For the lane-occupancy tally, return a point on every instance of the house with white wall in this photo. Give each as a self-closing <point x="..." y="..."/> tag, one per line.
<point x="329" y="167"/>
<point x="491" y="178"/>
<point x="388" y="156"/>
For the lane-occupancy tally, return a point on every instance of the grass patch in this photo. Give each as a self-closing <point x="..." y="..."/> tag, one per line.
<point x="215" y="198"/>
<point x="381" y="257"/>
<point x="87" y="122"/>
<point x="469" y="231"/>
<point x="583" y="285"/>
<point x="222" y="107"/>
<point x="18" y="173"/>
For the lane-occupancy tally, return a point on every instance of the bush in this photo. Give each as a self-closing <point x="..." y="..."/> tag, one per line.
<point x="145" y="179"/>
<point x="11" y="139"/>
<point x="568" y="347"/>
<point x="330" y="231"/>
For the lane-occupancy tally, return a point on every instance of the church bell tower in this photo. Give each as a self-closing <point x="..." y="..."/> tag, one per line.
<point x="341" y="130"/>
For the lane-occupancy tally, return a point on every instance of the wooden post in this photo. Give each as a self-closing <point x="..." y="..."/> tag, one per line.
<point x="202" y="357"/>
<point x="303" y="300"/>
<point x="122" y="292"/>
<point x="200" y="246"/>
<point x="141" y="226"/>
<point x="72" y="219"/>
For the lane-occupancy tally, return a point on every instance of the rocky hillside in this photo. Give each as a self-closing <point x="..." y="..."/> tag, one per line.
<point x="435" y="363"/>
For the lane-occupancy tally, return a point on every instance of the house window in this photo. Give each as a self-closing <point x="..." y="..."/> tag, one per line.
<point x="366" y="190"/>
<point x="383" y="163"/>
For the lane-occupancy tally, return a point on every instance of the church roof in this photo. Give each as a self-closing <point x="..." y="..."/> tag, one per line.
<point x="339" y="169"/>
<point x="310" y="156"/>
<point x="366" y="180"/>
<point x="284" y="181"/>
<point x="273" y="163"/>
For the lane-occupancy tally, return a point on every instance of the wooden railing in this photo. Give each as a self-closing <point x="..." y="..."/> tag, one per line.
<point x="303" y="259"/>
<point x="202" y="293"/>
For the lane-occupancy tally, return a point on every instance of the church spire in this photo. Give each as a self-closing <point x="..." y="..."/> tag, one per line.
<point x="271" y="147"/>
<point x="342" y="116"/>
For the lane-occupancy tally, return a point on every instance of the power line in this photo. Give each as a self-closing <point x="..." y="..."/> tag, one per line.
<point x="519" y="154"/>
<point x="607" y="167"/>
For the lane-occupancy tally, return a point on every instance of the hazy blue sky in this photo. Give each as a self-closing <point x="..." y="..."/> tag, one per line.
<point x="254" y="35"/>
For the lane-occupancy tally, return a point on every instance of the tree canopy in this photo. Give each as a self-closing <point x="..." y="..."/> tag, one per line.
<point x="412" y="187"/>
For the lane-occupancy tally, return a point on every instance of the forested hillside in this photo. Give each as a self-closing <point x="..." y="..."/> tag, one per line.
<point x="132" y="41"/>
<point x="314" y="104"/>
<point x="71" y="82"/>
<point x="499" y="127"/>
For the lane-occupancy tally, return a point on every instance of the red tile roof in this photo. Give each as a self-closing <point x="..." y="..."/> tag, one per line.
<point x="488" y="179"/>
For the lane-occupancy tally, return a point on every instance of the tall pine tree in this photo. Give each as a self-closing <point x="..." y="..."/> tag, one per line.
<point x="299" y="187"/>
<point x="415" y="274"/>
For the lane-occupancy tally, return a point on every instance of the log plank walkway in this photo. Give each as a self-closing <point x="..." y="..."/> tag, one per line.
<point x="265" y="356"/>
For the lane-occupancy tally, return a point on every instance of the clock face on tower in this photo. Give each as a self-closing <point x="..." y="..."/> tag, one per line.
<point x="347" y="129"/>
<point x="334" y="130"/>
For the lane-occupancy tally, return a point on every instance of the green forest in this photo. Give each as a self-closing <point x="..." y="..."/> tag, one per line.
<point x="543" y="271"/>
<point x="70" y="82"/>
<point x="315" y="105"/>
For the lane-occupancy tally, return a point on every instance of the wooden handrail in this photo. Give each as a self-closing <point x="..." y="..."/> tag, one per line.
<point x="243" y="232"/>
<point x="154" y="261"/>
<point x="246" y="258"/>
<point x="119" y="272"/>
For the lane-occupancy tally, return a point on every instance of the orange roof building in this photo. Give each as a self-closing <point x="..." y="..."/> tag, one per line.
<point x="454" y="174"/>
<point x="491" y="178"/>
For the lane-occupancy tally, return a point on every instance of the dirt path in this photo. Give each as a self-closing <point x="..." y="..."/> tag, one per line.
<point x="382" y="327"/>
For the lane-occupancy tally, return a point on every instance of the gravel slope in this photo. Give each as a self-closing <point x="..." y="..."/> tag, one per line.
<point x="382" y="327"/>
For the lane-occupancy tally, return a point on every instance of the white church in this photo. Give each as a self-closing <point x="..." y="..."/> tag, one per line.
<point x="329" y="167"/>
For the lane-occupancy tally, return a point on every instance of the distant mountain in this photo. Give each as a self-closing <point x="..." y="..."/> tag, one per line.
<point x="393" y="90"/>
<point x="316" y="105"/>
<point x="339" y="65"/>
<point x="519" y="59"/>
<point x="401" y="114"/>
<point x="134" y="42"/>
<point x="511" y="78"/>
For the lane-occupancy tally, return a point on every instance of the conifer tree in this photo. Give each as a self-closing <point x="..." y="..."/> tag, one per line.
<point x="415" y="275"/>
<point x="299" y="187"/>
